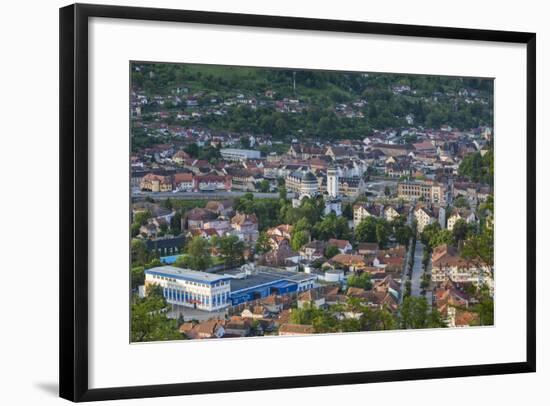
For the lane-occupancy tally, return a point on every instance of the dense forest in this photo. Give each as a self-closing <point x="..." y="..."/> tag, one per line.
<point x="385" y="100"/>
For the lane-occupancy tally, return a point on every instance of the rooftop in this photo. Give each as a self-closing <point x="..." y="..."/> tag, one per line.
<point x="186" y="274"/>
<point x="263" y="275"/>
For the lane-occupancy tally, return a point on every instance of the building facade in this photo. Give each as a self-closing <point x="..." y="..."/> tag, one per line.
<point x="214" y="292"/>
<point x="427" y="191"/>
<point x="188" y="288"/>
<point x="233" y="154"/>
<point x="156" y="183"/>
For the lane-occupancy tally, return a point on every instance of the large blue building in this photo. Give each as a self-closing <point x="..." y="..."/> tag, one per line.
<point x="262" y="281"/>
<point x="212" y="292"/>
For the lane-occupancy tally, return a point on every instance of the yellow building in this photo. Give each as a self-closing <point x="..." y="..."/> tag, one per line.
<point x="156" y="183"/>
<point x="428" y="191"/>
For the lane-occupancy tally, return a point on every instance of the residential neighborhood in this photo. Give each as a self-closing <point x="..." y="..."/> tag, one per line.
<point x="267" y="202"/>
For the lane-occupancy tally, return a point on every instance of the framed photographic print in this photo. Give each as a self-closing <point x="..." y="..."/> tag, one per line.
<point x="257" y="202"/>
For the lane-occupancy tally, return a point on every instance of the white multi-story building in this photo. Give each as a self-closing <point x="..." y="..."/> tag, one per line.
<point x="233" y="154"/>
<point x="363" y="210"/>
<point x="423" y="218"/>
<point x="466" y="215"/>
<point x="185" y="287"/>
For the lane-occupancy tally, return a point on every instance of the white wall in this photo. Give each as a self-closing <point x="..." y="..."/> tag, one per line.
<point x="28" y="97"/>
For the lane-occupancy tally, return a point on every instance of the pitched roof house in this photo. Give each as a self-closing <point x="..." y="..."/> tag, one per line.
<point x="343" y="245"/>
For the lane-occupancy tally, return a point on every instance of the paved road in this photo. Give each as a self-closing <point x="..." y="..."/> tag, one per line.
<point x="137" y="196"/>
<point x="198" y="195"/>
<point x="404" y="277"/>
<point x="416" y="278"/>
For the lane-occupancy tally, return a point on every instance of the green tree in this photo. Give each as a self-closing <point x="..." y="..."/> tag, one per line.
<point x="141" y="217"/>
<point x="429" y="232"/>
<point x="366" y="230"/>
<point x="378" y="319"/>
<point x="460" y="230"/>
<point x="282" y="193"/>
<point x="363" y="281"/>
<point x="231" y="249"/>
<point x="299" y="238"/>
<point x="192" y="149"/>
<point x="442" y="237"/>
<point x="302" y="225"/>
<point x="139" y="253"/>
<point x="138" y="276"/>
<point x="264" y="186"/>
<point x="382" y="232"/>
<point x="134" y="229"/>
<point x="262" y="244"/>
<point x="403" y="234"/>
<point x="486" y="307"/>
<point x="331" y="226"/>
<point x="148" y="321"/>
<point x="347" y="212"/>
<point x="175" y="223"/>
<point x="331" y="251"/>
<point x="415" y="313"/>
<point x="245" y="142"/>
<point x="480" y="248"/>
<point x="478" y="168"/>
<point x="461" y="202"/>
<point x="198" y="254"/>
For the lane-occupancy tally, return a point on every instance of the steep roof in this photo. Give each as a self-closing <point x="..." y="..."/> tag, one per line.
<point x="341" y="244"/>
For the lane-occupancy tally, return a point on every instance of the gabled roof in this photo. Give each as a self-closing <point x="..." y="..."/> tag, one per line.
<point x="367" y="246"/>
<point x="349" y="259"/>
<point x="341" y="244"/>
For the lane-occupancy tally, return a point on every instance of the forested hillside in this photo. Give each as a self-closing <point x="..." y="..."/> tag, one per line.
<point x="328" y="104"/>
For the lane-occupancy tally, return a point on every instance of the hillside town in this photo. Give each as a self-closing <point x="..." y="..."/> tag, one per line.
<point x="244" y="233"/>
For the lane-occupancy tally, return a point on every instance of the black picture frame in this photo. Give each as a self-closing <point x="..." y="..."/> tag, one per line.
<point x="73" y="281"/>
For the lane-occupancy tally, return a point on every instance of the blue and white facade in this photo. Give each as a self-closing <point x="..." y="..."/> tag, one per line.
<point x="185" y="287"/>
<point x="213" y="292"/>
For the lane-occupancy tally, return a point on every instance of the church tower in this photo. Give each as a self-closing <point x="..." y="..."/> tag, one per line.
<point x="332" y="181"/>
